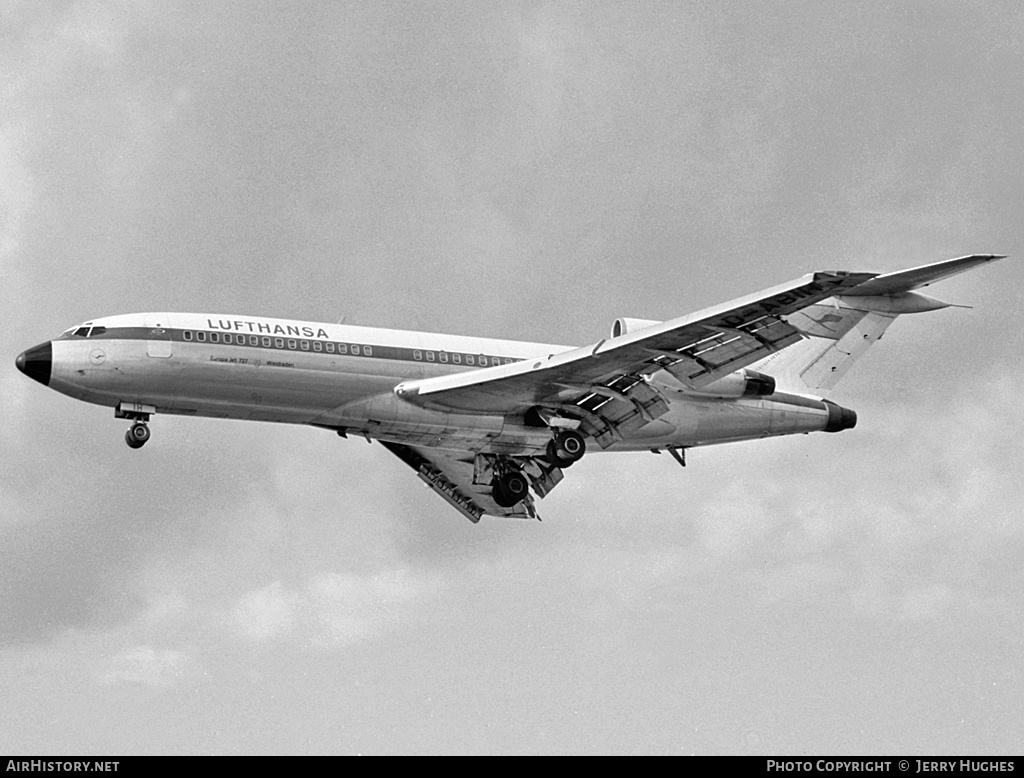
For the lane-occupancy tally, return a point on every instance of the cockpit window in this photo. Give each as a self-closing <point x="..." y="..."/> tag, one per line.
<point x="97" y="331"/>
<point x="82" y="332"/>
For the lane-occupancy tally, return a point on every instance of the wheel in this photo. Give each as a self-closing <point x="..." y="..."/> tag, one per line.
<point x="553" y="458"/>
<point x="510" y="488"/>
<point x="566" y="447"/>
<point x="137" y="436"/>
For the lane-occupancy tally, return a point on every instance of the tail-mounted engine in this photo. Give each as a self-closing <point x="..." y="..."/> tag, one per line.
<point x="839" y="418"/>
<point x="622" y="326"/>
<point x="742" y="383"/>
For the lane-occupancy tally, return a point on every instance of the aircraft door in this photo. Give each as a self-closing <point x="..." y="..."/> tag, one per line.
<point x="158" y="335"/>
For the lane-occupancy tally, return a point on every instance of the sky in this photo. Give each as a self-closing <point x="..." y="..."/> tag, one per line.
<point x="523" y="170"/>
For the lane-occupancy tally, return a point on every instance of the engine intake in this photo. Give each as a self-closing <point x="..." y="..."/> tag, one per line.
<point x="742" y="383"/>
<point x="622" y="326"/>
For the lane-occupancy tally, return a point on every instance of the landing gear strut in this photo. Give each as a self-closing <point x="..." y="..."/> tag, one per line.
<point x="139" y="414"/>
<point x="567" y="447"/>
<point x="509" y="488"/>
<point x="137" y="436"/>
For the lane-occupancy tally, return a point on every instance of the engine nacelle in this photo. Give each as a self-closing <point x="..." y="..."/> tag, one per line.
<point x="622" y="326"/>
<point x="839" y="418"/>
<point x="742" y="383"/>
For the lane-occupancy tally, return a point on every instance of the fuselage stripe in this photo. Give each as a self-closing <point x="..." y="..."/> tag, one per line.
<point x="291" y="343"/>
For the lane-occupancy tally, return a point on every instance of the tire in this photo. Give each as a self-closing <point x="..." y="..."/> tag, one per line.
<point x="568" y="446"/>
<point x="138" y="434"/>
<point x="553" y="458"/>
<point x="510" y="488"/>
<point x="131" y="441"/>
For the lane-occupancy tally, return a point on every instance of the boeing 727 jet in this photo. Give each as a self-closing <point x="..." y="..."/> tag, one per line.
<point x="490" y="425"/>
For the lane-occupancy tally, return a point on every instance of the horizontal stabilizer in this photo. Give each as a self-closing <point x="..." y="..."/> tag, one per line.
<point x="907" y="280"/>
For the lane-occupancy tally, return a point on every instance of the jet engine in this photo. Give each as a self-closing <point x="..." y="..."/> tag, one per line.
<point x="622" y="326"/>
<point x="742" y="383"/>
<point x="839" y="418"/>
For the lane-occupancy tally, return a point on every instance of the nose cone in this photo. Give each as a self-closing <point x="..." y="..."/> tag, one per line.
<point x="37" y="362"/>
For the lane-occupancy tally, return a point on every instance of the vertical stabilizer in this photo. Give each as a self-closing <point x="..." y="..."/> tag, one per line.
<point x="835" y="336"/>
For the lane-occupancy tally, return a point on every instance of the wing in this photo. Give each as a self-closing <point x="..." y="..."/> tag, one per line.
<point x="463" y="479"/>
<point x="606" y="384"/>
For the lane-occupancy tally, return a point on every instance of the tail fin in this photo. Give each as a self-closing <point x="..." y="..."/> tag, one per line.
<point x="838" y="331"/>
<point x="836" y="336"/>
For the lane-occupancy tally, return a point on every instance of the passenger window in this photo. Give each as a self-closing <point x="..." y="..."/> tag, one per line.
<point x="266" y="342"/>
<point x="227" y="337"/>
<point x="355" y="349"/>
<point x="444" y="356"/>
<point x="330" y="348"/>
<point x="417" y="355"/>
<point x="214" y="337"/>
<point x="304" y="344"/>
<point x="318" y="346"/>
<point x="430" y="356"/>
<point x="201" y="336"/>
<point x="457" y="359"/>
<point x="508" y="361"/>
<point x="279" y="342"/>
<point x="470" y="360"/>
<point x="291" y="344"/>
<point x="342" y="348"/>
<point x="254" y="340"/>
<point x="187" y="335"/>
<point x="367" y="351"/>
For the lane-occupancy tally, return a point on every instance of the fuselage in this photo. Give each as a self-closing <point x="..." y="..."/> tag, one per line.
<point x="342" y="377"/>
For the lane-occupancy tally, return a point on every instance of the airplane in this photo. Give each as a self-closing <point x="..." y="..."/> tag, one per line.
<point x="490" y="425"/>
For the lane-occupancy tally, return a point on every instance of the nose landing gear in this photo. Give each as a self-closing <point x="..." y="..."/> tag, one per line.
<point x="137" y="436"/>
<point x="139" y="433"/>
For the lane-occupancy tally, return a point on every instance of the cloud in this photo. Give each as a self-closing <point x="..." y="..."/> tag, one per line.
<point x="331" y="609"/>
<point x="352" y="607"/>
<point x="266" y="613"/>
<point x="144" y="665"/>
<point x="17" y="194"/>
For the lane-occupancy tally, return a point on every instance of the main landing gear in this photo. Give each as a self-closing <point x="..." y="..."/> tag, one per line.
<point x="567" y="447"/>
<point x="512" y="477"/>
<point x="510" y="488"/>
